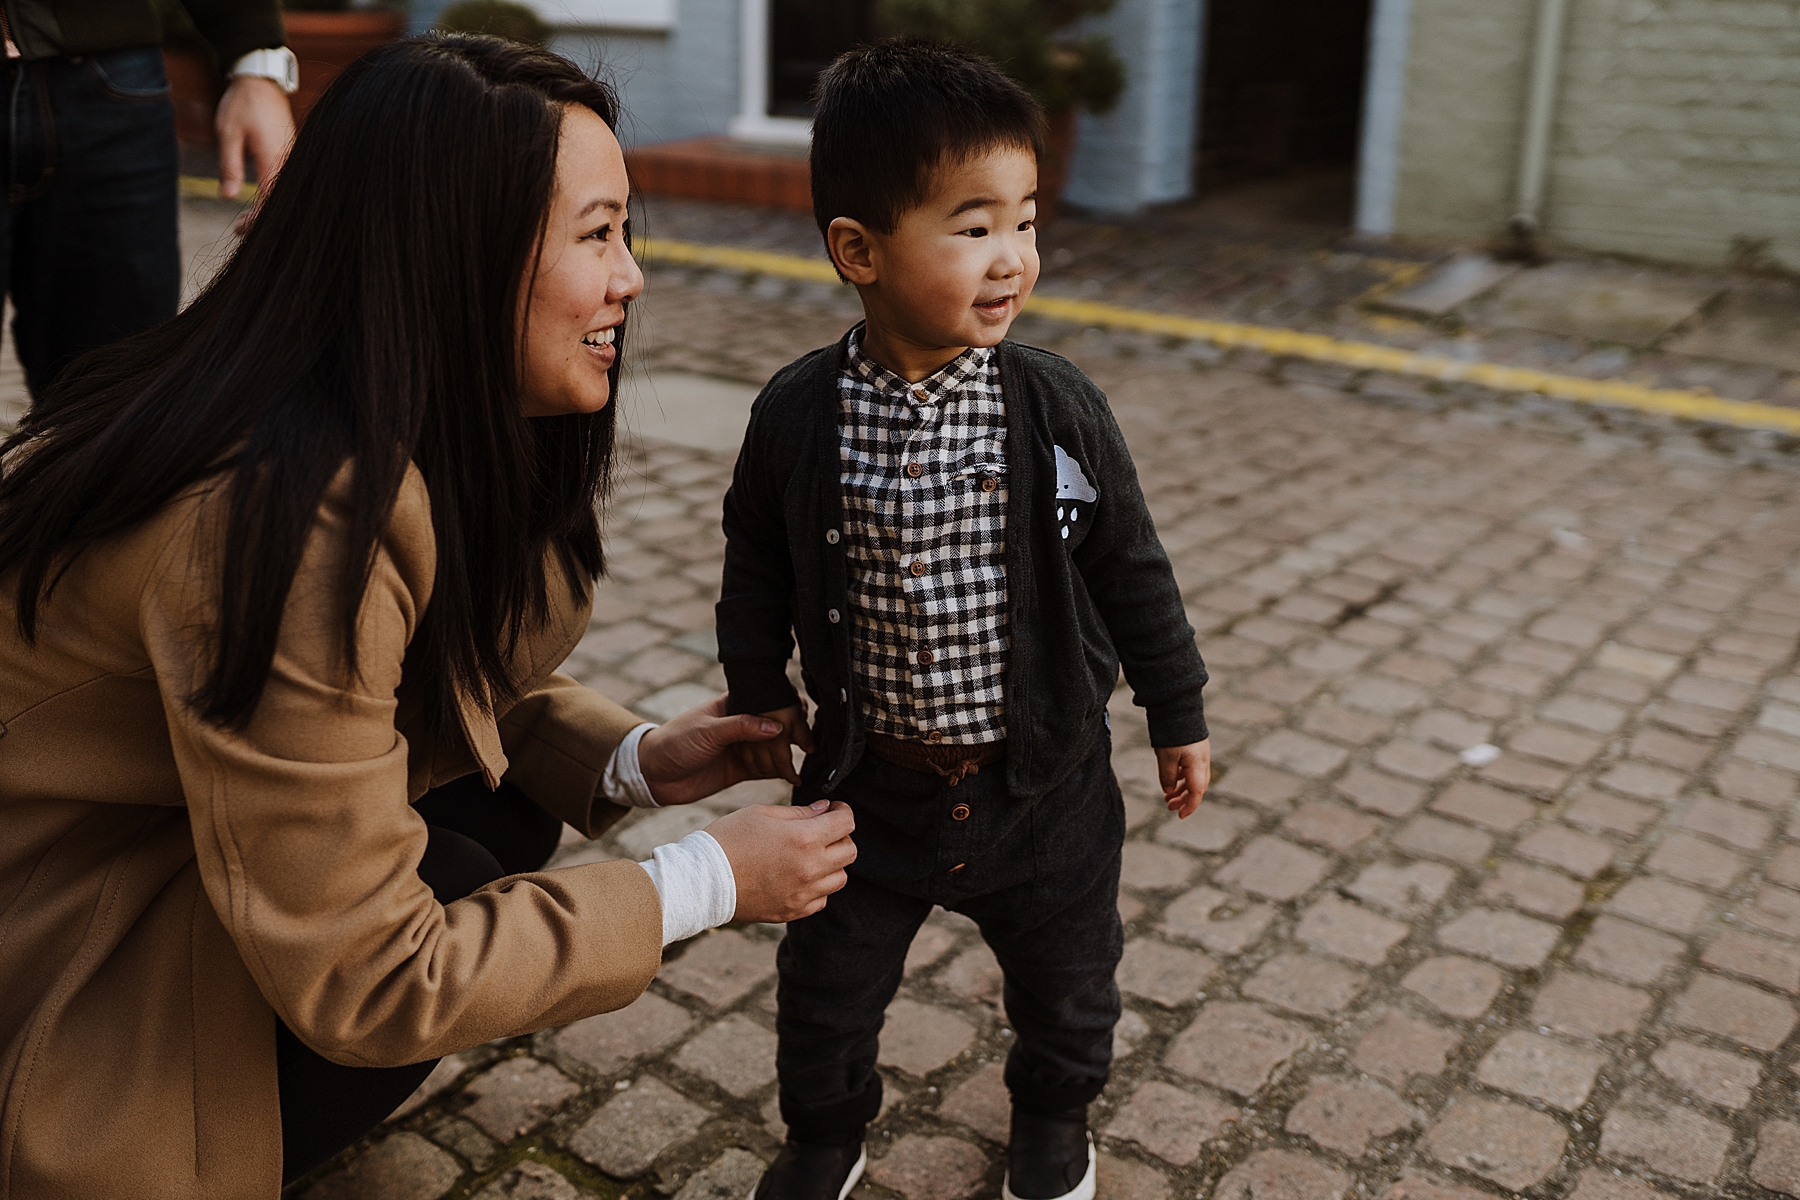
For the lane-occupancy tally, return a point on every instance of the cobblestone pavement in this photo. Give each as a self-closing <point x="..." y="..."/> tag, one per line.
<point x="1258" y="254"/>
<point x="1498" y="890"/>
<point x="1494" y="892"/>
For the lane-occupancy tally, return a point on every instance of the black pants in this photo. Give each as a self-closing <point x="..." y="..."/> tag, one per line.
<point x="89" y="250"/>
<point x="477" y="836"/>
<point x="1041" y="880"/>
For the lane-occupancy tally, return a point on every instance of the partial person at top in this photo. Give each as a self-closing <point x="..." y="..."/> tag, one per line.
<point x="284" y="584"/>
<point x="89" y="252"/>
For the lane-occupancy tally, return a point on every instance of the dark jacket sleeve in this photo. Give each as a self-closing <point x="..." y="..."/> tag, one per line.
<point x="755" y="609"/>
<point x="236" y="27"/>
<point x="1131" y="583"/>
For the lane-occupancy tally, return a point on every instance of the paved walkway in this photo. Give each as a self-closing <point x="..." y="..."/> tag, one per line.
<point x="1492" y="894"/>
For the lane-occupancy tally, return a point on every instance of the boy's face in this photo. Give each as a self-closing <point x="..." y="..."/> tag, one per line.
<point x="957" y="269"/>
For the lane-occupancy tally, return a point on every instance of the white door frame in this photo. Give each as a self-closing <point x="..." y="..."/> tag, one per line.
<point x="753" y="122"/>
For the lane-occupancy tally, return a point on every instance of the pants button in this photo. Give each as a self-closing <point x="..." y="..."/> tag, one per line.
<point x="960" y="813"/>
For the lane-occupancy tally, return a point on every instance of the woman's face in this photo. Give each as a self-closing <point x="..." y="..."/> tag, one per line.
<point x="584" y="277"/>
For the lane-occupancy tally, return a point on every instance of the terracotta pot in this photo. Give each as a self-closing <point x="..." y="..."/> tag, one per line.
<point x="1053" y="172"/>
<point x="195" y="89"/>
<point x="327" y="42"/>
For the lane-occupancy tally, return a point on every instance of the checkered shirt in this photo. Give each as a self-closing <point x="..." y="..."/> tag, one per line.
<point x="924" y="484"/>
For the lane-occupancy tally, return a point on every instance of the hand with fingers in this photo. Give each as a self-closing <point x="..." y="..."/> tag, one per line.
<point x="704" y="751"/>
<point x="787" y="861"/>
<point x="1184" y="772"/>
<point x="254" y="118"/>
<point x="772" y="759"/>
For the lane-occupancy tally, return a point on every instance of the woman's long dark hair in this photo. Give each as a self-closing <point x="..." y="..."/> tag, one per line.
<point x="371" y="316"/>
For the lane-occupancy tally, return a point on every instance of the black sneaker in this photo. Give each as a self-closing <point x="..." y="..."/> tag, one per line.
<point x="807" y="1171"/>
<point x="1049" y="1158"/>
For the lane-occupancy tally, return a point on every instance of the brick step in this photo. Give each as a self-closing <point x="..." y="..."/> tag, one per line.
<point x="723" y="168"/>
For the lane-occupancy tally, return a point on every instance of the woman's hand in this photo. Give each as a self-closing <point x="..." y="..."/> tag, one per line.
<point x="786" y="860"/>
<point x="693" y="756"/>
<point x="771" y="759"/>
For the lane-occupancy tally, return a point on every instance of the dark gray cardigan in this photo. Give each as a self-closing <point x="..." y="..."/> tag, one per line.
<point x="1077" y="605"/>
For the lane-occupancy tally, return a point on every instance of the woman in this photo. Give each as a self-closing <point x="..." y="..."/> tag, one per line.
<point x="280" y="568"/>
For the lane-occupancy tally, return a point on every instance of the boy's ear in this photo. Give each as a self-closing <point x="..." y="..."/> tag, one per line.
<point x="851" y="250"/>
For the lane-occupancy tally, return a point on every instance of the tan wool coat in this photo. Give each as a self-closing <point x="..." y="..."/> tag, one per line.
<point x="168" y="888"/>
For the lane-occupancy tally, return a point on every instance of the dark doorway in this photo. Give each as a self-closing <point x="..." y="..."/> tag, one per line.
<point x="1281" y="99"/>
<point x="804" y="36"/>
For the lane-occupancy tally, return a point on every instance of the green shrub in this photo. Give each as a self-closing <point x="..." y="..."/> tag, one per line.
<point x="1028" y="40"/>
<point x="497" y="18"/>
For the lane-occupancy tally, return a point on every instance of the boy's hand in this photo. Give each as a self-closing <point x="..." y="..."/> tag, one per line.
<point x="1184" y="772"/>
<point x="772" y="759"/>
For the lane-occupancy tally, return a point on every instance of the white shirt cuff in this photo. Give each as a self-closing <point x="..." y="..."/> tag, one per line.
<point x="624" y="781"/>
<point x="693" y="877"/>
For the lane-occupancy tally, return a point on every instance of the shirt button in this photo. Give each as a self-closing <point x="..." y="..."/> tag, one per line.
<point x="936" y="735"/>
<point x="914" y="470"/>
<point x="918" y="567"/>
<point x="921" y="394"/>
<point x="926" y="658"/>
<point x="989" y="484"/>
<point x="960" y="813"/>
<point x="831" y="537"/>
<point x="834" y="616"/>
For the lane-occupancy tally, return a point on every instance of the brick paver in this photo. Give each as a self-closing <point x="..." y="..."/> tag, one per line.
<point x="1380" y="961"/>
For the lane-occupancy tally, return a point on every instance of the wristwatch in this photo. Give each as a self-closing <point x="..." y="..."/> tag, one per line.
<point x="278" y="64"/>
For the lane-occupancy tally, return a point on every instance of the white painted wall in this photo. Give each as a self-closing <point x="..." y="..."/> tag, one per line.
<point x="1142" y="152"/>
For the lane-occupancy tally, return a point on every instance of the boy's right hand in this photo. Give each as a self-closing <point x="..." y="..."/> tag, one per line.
<point x="786" y="860"/>
<point x="772" y="759"/>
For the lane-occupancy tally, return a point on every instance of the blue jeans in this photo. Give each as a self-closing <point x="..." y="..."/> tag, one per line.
<point x="89" y="252"/>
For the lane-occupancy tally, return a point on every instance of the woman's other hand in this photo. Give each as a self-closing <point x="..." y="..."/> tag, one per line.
<point x="786" y="860"/>
<point x="772" y="759"/>
<point x="692" y="756"/>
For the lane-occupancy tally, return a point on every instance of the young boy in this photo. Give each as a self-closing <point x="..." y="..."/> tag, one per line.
<point x="952" y="525"/>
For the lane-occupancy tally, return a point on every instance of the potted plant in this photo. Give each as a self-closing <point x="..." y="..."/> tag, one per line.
<point x="328" y="35"/>
<point x="1032" y="41"/>
<point x="498" y="18"/>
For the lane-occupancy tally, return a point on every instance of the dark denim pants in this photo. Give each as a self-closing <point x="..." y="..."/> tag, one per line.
<point x="89" y="252"/>
<point x="1041" y="879"/>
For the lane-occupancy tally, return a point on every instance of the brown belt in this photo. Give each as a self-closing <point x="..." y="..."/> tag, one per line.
<point x="950" y="761"/>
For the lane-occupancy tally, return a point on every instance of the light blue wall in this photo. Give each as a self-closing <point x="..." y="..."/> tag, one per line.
<point x="679" y="84"/>
<point x="1142" y="152"/>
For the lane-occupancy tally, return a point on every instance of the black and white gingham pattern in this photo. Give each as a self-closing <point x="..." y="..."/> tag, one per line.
<point x="951" y="518"/>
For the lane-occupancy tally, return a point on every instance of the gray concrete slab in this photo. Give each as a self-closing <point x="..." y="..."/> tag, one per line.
<point x="700" y="412"/>
<point x="1600" y="301"/>
<point x="1458" y="281"/>
<point x="1753" y="322"/>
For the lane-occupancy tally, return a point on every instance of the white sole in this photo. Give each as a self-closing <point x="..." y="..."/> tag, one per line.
<point x="1081" y="1191"/>
<point x="856" y="1173"/>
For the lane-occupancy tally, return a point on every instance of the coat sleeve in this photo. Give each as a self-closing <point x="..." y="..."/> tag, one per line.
<point x="558" y="741"/>
<point x="755" y="616"/>
<point x="1129" y="579"/>
<point x="236" y="27"/>
<point x="309" y="851"/>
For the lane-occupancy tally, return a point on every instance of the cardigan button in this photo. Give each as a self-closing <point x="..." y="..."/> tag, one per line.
<point x="956" y="868"/>
<point x="834" y="616"/>
<point x="831" y="537"/>
<point x="960" y="813"/>
<point x="844" y="697"/>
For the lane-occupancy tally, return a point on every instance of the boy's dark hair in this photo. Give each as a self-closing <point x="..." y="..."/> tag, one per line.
<point x="892" y="113"/>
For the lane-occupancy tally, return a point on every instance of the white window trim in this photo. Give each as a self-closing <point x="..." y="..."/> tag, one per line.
<point x="648" y="16"/>
<point x="753" y="122"/>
